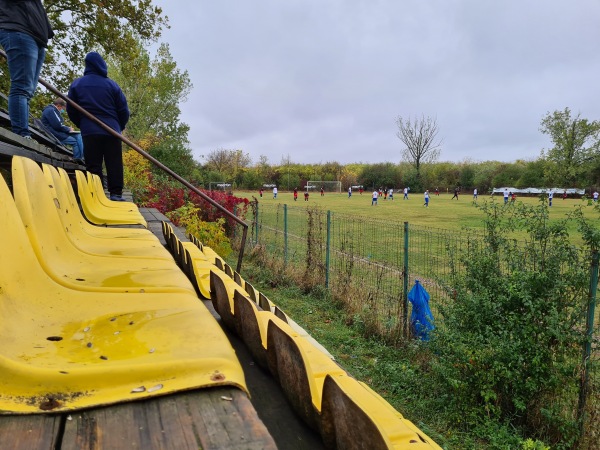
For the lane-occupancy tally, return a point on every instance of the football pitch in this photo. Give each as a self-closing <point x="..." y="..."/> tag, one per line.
<point x="443" y="212"/>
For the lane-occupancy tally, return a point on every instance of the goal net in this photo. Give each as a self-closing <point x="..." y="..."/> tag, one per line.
<point x="328" y="186"/>
<point x="219" y="186"/>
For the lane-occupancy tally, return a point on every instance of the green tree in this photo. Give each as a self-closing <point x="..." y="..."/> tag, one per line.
<point x="155" y="88"/>
<point x="533" y="174"/>
<point x="485" y="173"/>
<point x="467" y="175"/>
<point x="228" y="162"/>
<point x="576" y="143"/>
<point x="111" y="27"/>
<point x="508" y="175"/>
<point x="380" y="175"/>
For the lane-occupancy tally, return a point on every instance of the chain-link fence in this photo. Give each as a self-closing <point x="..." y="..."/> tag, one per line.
<point x="370" y="265"/>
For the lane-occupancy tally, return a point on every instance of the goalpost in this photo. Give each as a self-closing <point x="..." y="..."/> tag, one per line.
<point x="328" y="186"/>
<point x="219" y="185"/>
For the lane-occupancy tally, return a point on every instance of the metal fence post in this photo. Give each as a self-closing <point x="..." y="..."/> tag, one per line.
<point x="256" y="225"/>
<point x="405" y="287"/>
<point x="285" y="236"/>
<point x="327" y="249"/>
<point x="587" y="345"/>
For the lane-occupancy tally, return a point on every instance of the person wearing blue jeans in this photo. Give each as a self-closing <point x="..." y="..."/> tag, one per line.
<point x="53" y="121"/>
<point x="24" y="34"/>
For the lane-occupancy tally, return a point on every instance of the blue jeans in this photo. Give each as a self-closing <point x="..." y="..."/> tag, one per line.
<point x="25" y="59"/>
<point x="77" y="143"/>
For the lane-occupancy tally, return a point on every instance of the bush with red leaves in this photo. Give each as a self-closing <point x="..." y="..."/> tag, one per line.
<point x="167" y="197"/>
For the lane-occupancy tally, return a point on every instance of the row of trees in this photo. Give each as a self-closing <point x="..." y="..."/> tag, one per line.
<point x="573" y="161"/>
<point x="443" y="175"/>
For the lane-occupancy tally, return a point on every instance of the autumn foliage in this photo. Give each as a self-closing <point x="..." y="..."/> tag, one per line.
<point x="167" y="196"/>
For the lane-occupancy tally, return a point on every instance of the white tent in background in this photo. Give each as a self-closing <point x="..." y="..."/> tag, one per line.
<point x="531" y="190"/>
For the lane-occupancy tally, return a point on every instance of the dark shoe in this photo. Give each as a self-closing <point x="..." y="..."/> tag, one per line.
<point x="79" y="161"/>
<point x="117" y="198"/>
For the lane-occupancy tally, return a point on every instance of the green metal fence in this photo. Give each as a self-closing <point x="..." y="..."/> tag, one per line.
<point x="372" y="263"/>
<point x="375" y="260"/>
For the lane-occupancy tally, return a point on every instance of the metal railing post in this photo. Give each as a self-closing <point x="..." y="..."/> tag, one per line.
<point x="256" y="224"/>
<point x="152" y="160"/>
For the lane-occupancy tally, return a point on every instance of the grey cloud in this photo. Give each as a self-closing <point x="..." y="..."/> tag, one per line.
<point x="325" y="80"/>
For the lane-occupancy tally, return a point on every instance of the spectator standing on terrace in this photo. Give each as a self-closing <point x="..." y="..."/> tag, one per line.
<point x="374" y="197"/>
<point x="275" y="192"/>
<point x="53" y="120"/>
<point x="103" y="98"/>
<point x="24" y="34"/>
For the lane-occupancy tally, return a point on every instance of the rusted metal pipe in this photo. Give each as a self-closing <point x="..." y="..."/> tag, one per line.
<point x="154" y="161"/>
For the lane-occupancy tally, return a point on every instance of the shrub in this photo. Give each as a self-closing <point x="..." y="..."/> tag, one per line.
<point x="211" y="234"/>
<point x="511" y="340"/>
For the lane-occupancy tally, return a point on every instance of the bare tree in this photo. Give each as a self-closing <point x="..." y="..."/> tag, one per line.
<point x="420" y="138"/>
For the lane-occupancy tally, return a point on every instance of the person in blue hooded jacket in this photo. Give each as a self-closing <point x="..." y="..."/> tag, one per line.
<point x="53" y="121"/>
<point x="103" y="98"/>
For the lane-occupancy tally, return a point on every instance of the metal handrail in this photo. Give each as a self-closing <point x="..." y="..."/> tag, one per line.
<point x="153" y="161"/>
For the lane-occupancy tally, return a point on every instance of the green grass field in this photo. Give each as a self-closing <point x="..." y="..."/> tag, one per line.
<point x="443" y="212"/>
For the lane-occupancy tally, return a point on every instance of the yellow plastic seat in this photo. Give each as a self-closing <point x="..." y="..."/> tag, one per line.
<point x="96" y="188"/>
<point x="87" y="227"/>
<point x="200" y="268"/>
<point x="99" y="214"/>
<point x="212" y="255"/>
<point x="354" y="416"/>
<point x="76" y="270"/>
<point x="64" y="349"/>
<point x="253" y="327"/>
<point x="71" y="221"/>
<point x="300" y="368"/>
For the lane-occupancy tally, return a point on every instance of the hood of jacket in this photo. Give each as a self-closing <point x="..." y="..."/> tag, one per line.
<point x="94" y="64"/>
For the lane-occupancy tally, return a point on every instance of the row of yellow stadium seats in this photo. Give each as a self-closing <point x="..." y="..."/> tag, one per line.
<point x="76" y="259"/>
<point x="99" y="210"/>
<point x="346" y="412"/>
<point x="69" y="342"/>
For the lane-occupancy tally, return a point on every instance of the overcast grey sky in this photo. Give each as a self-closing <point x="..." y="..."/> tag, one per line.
<point x="325" y="80"/>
